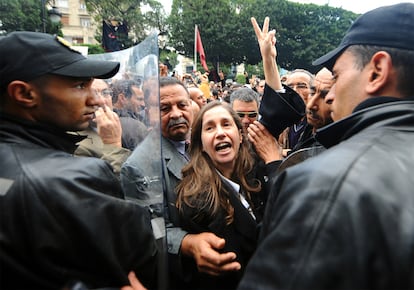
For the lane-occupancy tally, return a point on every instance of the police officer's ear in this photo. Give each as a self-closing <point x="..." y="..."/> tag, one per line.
<point x="22" y="93"/>
<point x="380" y="74"/>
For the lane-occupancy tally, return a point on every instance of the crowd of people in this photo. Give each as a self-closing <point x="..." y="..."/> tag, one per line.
<point x="294" y="182"/>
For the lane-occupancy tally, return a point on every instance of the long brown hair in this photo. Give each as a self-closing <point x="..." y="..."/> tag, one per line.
<point x="201" y="186"/>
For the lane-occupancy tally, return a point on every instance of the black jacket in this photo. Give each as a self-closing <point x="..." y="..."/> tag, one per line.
<point x="345" y="218"/>
<point x="64" y="218"/>
<point x="241" y="237"/>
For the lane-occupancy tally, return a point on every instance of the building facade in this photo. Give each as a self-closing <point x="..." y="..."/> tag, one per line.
<point x="78" y="26"/>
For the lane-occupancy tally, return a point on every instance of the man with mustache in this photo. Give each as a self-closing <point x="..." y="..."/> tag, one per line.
<point x="143" y="182"/>
<point x="318" y="112"/>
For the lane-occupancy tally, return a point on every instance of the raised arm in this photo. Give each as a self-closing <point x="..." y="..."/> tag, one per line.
<point x="267" y="44"/>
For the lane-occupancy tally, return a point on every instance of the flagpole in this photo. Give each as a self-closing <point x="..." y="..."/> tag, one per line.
<point x="195" y="48"/>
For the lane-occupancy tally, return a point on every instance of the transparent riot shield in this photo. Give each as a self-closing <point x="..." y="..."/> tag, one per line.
<point x="135" y="98"/>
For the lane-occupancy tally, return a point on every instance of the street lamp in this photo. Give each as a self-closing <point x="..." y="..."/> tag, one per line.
<point x="54" y="15"/>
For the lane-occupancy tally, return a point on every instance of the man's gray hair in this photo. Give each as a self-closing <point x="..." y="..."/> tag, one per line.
<point x="245" y="95"/>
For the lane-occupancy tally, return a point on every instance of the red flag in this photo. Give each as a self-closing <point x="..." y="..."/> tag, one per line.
<point x="200" y="49"/>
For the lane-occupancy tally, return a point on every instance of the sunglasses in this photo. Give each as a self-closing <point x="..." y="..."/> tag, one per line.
<point x="248" y="114"/>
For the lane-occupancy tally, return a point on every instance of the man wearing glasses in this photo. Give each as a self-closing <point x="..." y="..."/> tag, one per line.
<point x="104" y="134"/>
<point x="267" y="152"/>
<point x="245" y="102"/>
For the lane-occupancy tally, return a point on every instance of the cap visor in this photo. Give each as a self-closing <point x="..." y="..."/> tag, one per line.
<point x="89" y="68"/>
<point x="328" y="60"/>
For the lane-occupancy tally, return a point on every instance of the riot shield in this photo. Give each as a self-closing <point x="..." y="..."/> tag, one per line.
<point x="143" y="185"/>
<point x="299" y="156"/>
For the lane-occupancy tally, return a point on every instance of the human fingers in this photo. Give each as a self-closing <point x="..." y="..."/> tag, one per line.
<point x="262" y="131"/>
<point x="110" y="114"/>
<point x="98" y="114"/>
<point x="220" y="270"/>
<point x="215" y="241"/>
<point x="135" y="283"/>
<point x="209" y="244"/>
<point x="104" y="118"/>
<point x="251" y="134"/>
<point x="106" y="114"/>
<point x="230" y="267"/>
<point x="256" y="28"/>
<point x="253" y="129"/>
<point x="266" y="25"/>
<point x="259" y="126"/>
<point x="215" y="263"/>
<point x="99" y="111"/>
<point x="271" y="36"/>
<point x="106" y="109"/>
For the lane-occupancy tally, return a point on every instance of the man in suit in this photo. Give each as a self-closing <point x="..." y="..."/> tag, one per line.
<point x="142" y="180"/>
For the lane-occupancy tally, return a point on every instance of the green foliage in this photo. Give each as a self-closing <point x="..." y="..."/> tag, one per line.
<point x="25" y="15"/>
<point x="304" y="31"/>
<point x="140" y="16"/>
<point x="219" y="31"/>
<point x="170" y="56"/>
<point x="240" y="79"/>
<point x="94" y="48"/>
<point x="314" y="31"/>
<point x="256" y="70"/>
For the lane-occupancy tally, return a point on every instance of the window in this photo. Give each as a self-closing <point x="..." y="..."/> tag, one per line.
<point x="62" y="3"/>
<point x="82" y="5"/>
<point x="77" y="40"/>
<point x="85" y="22"/>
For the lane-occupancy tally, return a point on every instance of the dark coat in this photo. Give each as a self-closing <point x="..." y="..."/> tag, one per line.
<point x="241" y="236"/>
<point x="64" y="218"/>
<point x="345" y="218"/>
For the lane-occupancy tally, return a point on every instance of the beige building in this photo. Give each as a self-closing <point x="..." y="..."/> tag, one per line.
<point x="78" y="26"/>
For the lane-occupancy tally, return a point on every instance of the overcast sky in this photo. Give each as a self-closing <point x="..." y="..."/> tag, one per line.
<point x="357" y="6"/>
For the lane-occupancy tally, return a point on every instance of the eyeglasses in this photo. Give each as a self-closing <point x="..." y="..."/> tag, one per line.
<point x="300" y="86"/>
<point x="105" y="92"/>
<point x="248" y="114"/>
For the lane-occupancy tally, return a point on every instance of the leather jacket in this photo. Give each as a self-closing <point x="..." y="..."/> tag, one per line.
<point x="345" y="218"/>
<point x="64" y="218"/>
